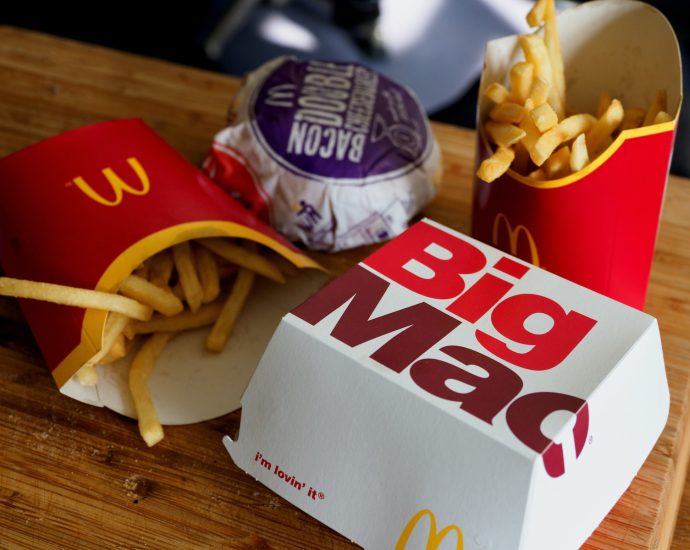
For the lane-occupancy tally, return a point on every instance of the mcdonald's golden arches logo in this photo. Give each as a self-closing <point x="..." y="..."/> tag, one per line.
<point x="513" y="236"/>
<point x="117" y="184"/>
<point x="435" y="537"/>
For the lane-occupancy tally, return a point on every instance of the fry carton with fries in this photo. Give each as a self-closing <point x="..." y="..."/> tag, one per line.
<point x="442" y="394"/>
<point x="576" y="128"/>
<point x="115" y="243"/>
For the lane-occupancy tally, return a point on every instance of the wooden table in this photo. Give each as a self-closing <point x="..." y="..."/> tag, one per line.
<point x="77" y="476"/>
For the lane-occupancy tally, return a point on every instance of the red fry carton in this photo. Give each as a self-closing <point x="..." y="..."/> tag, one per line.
<point x="444" y="394"/>
<point x="596" y="227"/>
<point x="85" y="209"/>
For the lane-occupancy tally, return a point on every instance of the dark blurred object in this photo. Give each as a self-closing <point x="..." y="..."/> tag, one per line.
<point x="676" y="14"/>
<point x="435" y="47"/>
<point x="360" y="19"/>
<point x="169" y="31"/>
<point x="339" y="29"/>
<point x="462" y="112"/>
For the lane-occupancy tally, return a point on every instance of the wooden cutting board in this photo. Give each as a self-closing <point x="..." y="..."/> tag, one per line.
<point x="77" y="476"/>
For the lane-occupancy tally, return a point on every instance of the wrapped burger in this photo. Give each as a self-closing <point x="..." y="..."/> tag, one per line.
<point x="332" y="154"/>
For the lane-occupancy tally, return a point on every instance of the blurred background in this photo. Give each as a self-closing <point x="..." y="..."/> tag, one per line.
<point x="433" y="46"/>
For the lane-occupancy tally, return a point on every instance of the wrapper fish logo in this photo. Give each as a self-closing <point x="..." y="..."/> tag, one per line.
<point x="435" y="537"/>
<point x="501" y="220"/>
<point x="404" y="137"/>
<point x="117" y="184"/>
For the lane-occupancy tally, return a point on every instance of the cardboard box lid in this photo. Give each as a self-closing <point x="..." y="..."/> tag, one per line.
<point x="353" y="405"/>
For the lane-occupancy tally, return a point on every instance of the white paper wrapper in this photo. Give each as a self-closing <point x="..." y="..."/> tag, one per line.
<point x="333" y="154"/>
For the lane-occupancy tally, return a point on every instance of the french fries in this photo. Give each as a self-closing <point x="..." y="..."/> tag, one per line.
<point x="158" y="298"/>
<point x="497" y="92"/>
<point x="579" y="157"/>
<point x="204" y="316"/>
<point x="244" y="257"/>
<point x="492" y="167"/>
<point x="544" y="117"/>
<point x="209" y="274"/>
<point x="529" y="124"/>
<point x="177" y="289"/>
<point x="507" y="112"/>
<point x="539" y="93"/>
<point x="70" y="296"/>
<point x="225" y="323"/>
<point x="659" y="104"/>
<point x="521" y="78"/>
<point x="601" y="130"/>
<point x="189" y="278"/>
<point x="632" y="118"/>
<point x="139" y="372"/>
<point x="564" y="131"/>
<point x="537" y="55"/>
<point x="558" y="164"/>
<point x="160" y="268"/>
<point x="503" y="134"/>
<point x="112" y="348"/>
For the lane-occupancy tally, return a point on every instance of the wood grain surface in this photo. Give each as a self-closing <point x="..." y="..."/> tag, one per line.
<point x="76" y="476"/>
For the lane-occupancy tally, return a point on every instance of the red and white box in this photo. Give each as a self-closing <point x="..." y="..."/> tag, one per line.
<point x="443" y="394"/>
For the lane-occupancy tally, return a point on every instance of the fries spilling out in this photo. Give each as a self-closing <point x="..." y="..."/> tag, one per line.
<point x="194" y="284"/>
<point x="529" y="125"/>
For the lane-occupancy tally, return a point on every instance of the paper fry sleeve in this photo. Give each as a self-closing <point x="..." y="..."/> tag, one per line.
<point x="596" y="227"/>
<point x="86" y="207"/>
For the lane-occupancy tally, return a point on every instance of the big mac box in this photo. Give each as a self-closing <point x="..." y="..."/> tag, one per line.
<point x="595" y="225"/>
<point x="443" y="394"/>
<point x="91" y="206"/>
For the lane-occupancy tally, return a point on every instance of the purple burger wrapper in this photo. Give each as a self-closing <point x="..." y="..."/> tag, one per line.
<point x="332" y="154"/>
